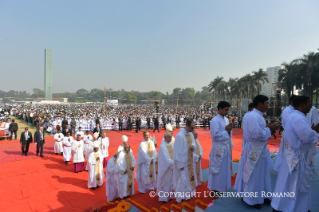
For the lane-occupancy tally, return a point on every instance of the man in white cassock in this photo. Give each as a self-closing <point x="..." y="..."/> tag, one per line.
<point x="169" y="128"/>
<point x="124" y="140"/>
<point x="112" y="184"/>
<point x="89" y="149"/>
<point x="125" y="168"/>
<point x="104" y="147"/>
<point x="255" y="176"/>
<point x="184" y="171"/>
<point x="220" y="154"/>
<point x="284" y="116"/>
<point x="95" y="164"/>
<point x="297" y="167"/>
<point x="146" y="170"/>
<point x="198" y="159"/>
<point x="58" y="147"/>
<point x="88" y="139"/>
<point x="79" y="132"/>
<point x="78" y="157"/>
<point x="313" y="117"/>
<point x="67" y="150"/>
<point x="165" y="171"/>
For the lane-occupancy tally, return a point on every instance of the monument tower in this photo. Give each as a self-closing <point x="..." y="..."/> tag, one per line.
<point x="48" y="74"/>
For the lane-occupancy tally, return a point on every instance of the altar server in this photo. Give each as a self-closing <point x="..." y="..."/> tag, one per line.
<point x="67" y="144"/>
<point x="146" y="170"/>
<point x="297" y="167"/>
<point x="58" y="146"/>
<point x="79" y="132"/>
<point x="165" y="171"/>
<point x="112" y="181"/>
<point x="90" y="148"/>
<point x="95" y="167"/>
<point x="78" y="157"/>
<point x="104" y="142"/>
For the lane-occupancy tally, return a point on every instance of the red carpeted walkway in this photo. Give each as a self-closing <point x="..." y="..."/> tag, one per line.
<point x="31" y="183"/>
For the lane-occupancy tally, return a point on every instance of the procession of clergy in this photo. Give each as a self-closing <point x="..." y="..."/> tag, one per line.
<point x="175" y="171"/>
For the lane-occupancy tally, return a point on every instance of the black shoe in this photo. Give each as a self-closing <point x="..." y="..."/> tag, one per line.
<point x="61" y="153"/>
<point x="26" y="154"/>
<point x="41" y="156"/>
<point x="257" y="206"/>
<point x="37" y="154"/>
<point x="93" y="188"/>
<point x="267" y="201"/>
<point x="56" y="153"/>
<point x="66" y="162"/>
<point x="275" y="210"/>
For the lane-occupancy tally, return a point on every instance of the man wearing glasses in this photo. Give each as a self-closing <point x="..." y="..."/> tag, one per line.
<point x="25" y="140"/>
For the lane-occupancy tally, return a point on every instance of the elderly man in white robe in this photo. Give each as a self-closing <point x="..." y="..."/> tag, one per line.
<point x="58" y="147"/>
<point x="124" y="140"/>
<point x="198" y="159"/>
<point x="284" y="116"/>
<point x="255" y="176"/>
<point x="88" y="139"/>
<point x="112" y="184"/>
<point x="104" y="142"/>
<point x="169" y="129"/>
<point x="125" y="167"/>
<point x="184" y="170"/>
<point x="90" y="148"/>
<point x="95" y="164"/>
<point x="146" y="170"/>
<point x="78" y="157"/>
<point x="67" y="147"/>
<point x="220" y="155"/>
<point x="165" y="171"/>
<point x="295" y="174"/>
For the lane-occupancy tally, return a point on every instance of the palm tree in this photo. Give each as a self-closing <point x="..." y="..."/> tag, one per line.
<point x="232" y="82"/>
<point x="287" y="76"/>
<point x="214" y="86"/>
<point x="260" y="77"/>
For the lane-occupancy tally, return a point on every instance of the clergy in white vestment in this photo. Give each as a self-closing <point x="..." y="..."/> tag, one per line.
<point x="79" y="132"/>
<point x="124" y="140"/>
<point x="313" y="117"/>
<point x="87" y="138"/>
<point x="165" y="171"/>
<point x="284" y="116"/>
<point x="95" y="167"/>
<point x="146" y="170"/>
<point x="198" y="156"/>
<point x="112" y="184"/>
<point x="220" y="155"/>
<point x="67" y="150"/>
<point x="125" y="168"/>
<point x="78" y="157"/>
<point x="184" y="170"/>
<point x="58" y="147"/>
<point x="89" y="149"/>
<point x="297" y="167"/>
<point x="255" y="176"/>
<point x="104" y="142"/>
<point x="169" y="128"/>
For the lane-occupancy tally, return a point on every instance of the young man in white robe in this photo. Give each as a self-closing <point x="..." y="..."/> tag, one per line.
<point x="165" y="171"/>
<point x="95" y="164"/>
<point x="198" y="155"/>
<point x="104" y="147"/>
<point x="124" y="140"/>
<point x="79" y="132"/>
<point x="58" y="147"/>
<point x="294" y="174"/>
<point x="67" y="144"/>
<point x="184" y="170"/>
<point x="146" y="170"/>
<point x="112" y="181"/>
<point x="255" y="176"/>
<point x="220" y="155"/>
<point x="125" y="167"/>
<point x="78" y="157"/>
<point x="88" y="139"/>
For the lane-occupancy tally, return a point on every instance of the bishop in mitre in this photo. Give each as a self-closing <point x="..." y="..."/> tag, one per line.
<point x="165" y="171"/>
<point x="169" y="129"/>
<point x="125" y="166"/>
<point x="146" y="170"/>
<point x="124" y="140"/>
<point x="95" y="164"/>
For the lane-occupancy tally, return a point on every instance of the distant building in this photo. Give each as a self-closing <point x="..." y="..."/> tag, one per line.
<point x="272" y="73"/>
<point x="48" y="74"/>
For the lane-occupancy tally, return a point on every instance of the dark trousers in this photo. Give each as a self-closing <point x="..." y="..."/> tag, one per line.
<point x="15" y="135"/>
<point x="40" y="148"/>
<point x="120" y="127"/>
<point x="137" y="128"/>
<point x="129" y="126"/>
<point x="177" y="124"/>
<point x="156" y="128"/>
<point x="148" y="125"/>
<point x="25" y="147"/>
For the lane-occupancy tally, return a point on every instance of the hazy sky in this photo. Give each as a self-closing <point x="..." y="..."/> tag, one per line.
<point x="149" y="45"/>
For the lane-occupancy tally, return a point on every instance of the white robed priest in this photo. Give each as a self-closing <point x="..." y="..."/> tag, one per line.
<point x="67" y="150"/>
<point x="58" y="146"/>
<point x="104" y="142"/>
<point x="112" y="184"/>
<point x="255" y="176"/>
<point x="124" y="140"/>
<point x="79" y="132"/>
<point x="88" y="139"/>
<point x="95" y="163"/>
<point x="169" y="128"/>
<point x="184" y="171"/>
<point x="284" y="116"/>
<point x="313" y="117"/>
<point x="78" y="156"/>
<point x="89" y="149"/>
<point x="220" y="154"/>
<point x="297" y="167"/>
<point x="125" y="168"/>
<point x="146" y="169"/>
<point x="165" y="171"/>
<point x="198" y="156"/>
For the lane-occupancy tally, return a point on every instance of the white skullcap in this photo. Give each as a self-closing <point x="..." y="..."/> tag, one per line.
<point x="95" y="144"/>
<point x="169" y="127"/>
<point x="124" y="138"/>
<point x="95" y="135"/>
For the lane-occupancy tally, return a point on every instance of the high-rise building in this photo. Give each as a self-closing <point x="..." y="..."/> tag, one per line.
<point x="48" y="74"/>
<point x="272" y="73"/>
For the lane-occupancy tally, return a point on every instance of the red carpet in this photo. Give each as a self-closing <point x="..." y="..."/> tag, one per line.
<point x="46" y="184"/>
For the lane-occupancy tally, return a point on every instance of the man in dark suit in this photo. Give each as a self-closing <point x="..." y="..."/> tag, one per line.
<point x="13" y="128"/>
<point x="25" y="140"/>
<point x="129" y="123"/>
<point x="178" y="120"/>
<point x="64" y="123"/>
<point x="120" y="124"/>
<point x="138" y="124"/>
<point x="156" y="124"/>
<point x="39" y="141"/>
<point x="164" y="121"/>
<point x="98" y="129"/>
<point x="97" y="120"/>
<point x="66" y="130"/>
<point x="148" y="120"/>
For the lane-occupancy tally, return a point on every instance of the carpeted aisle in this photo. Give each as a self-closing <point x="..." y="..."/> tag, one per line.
<point x="46" y="184"/>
